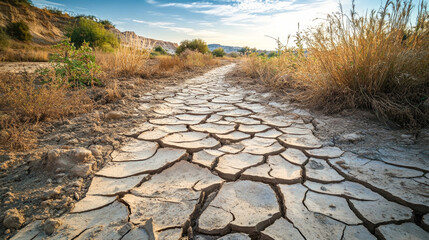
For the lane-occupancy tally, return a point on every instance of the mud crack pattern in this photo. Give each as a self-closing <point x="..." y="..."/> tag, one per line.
<point x="215" y="161"/>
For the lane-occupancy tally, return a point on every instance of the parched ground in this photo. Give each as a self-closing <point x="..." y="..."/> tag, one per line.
<point x="208" y="158"/>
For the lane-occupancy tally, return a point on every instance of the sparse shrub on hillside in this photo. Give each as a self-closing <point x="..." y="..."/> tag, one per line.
<point x="160" y="50"/>
<point x="94" y="33"/>
<point x="107" y="24"/>
<point x="19" y="31"/>
<point x="19" y="2"/>
<point x="376" y="61"/>
<point x="4" y="40"/>
<point x="218" y="52"/>
<point x="53" y="10"/>
<point x="73" y="67"/>
<point x="194" y="45"/>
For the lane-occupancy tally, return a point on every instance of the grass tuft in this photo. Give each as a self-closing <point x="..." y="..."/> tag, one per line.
<point x="378" y="61"/>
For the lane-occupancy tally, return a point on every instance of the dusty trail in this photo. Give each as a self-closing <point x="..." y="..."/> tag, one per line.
<point x="215" y="161"/>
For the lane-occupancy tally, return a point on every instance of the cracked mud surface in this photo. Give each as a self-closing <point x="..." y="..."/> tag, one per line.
<point x="215" y="161"/>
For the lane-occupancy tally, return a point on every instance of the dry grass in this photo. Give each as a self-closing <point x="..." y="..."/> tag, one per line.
<point x="168" y="65"/>
<point x="24" y="103"/>
<point x="25" y="52"/>
<point x="376" y="61"/>
<point x="124" y="62"/>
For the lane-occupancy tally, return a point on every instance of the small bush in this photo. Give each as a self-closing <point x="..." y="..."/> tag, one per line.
<point x="24" y="103"/>
<point x="4" y="40"/>
<point x="160" y="50"/>
<point x="73" y="67"/>
<point x="218" y="52"/>
<point x="234" y="55"/>
<point x="93" y="33"/>
<point x="19" y="31"/>
<point x="194" y="45"/>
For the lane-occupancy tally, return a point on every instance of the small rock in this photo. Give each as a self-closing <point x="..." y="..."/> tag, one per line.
<point x="96" y="150"/>
<point x="13" y="219"/>
<point x="350" y="137"/>
<point x="82" y="170"/>
<point x="76" y="196"/>
<point x="53" y="192"/>
<point x="46" y="203"/>
<point x="130" y="86"/>
<point x="115" y="115"/>
<point x="82" y="154"/>
<point x="51" y="225"/>
<point x="124" y="229"/>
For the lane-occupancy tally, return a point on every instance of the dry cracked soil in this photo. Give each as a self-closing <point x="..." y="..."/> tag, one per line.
<point x="215" y="160"/>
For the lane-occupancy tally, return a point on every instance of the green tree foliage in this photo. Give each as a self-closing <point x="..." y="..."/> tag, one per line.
<point x="73" y="67"/>
<point x="19" y="31"/>
<point x="160" y="50"/>
<point x="273" y="54"/>
<point x="194" y="45"/>
<point x="93" y="33"/>
<point x="218" y="52"/>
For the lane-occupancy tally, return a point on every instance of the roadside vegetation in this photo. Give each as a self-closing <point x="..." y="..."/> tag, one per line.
<point x="84" y="72"/>
<point x="378" y="61"/>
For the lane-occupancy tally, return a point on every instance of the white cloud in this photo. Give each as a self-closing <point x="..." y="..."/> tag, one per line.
<point x="189" y="31"/>
<point x="251" y="20"/>
<point x="45" y="3"/>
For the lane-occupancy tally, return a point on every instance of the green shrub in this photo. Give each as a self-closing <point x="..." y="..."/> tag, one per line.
<point x="218" y="52"/>
<point x="160" y="50"/>
<point x="194" y="45"/>
<point x="74" y="67"/>
<point x="4" y="40"/>
<point x="234" y="54"/>
<point x="53" y="10"/>
<point x="19" y="31"/>
<point x="273" y="54"/>
<point x="94" y="34"/>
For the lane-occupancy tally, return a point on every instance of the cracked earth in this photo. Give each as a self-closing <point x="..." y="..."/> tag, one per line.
<point x="215" y="161"/>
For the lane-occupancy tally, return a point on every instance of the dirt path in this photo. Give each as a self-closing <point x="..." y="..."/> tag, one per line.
<point x="215" y="161"/>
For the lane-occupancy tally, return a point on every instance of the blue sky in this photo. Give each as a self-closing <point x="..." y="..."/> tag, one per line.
<point x="228" y="22"/>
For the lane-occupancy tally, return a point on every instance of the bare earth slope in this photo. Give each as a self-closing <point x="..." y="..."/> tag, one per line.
<point x="216" y="161"/>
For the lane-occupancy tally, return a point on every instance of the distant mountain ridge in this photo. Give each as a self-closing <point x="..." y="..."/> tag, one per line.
<point x="130" y="38"/>
<point x="227" y="49"/>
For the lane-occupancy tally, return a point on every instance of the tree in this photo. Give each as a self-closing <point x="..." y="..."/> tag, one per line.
<point x="93" y="33"/>
<point x="245" y="50"/>
<point x="218" y="52"/>
<point x="160" y="50"/>
<point x="194" y="45"/>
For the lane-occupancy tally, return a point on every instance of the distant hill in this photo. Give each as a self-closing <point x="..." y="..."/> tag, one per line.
<point x="227" y="49"/>
<point x="48" y="27"/>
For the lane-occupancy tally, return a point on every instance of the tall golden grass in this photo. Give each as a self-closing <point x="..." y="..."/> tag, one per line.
<point x="377" y="61"/>
<point x="125" y="61"/>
